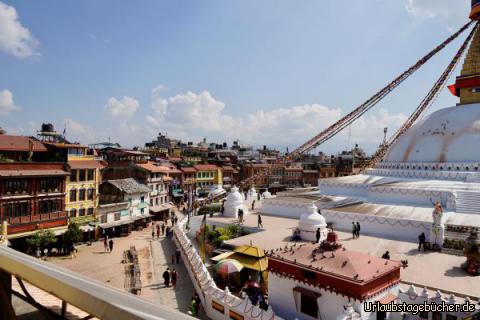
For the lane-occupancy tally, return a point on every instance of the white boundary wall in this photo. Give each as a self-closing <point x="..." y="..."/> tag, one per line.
<point x="209" y="293"/>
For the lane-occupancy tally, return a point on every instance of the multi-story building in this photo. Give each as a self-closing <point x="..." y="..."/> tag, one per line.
<point x="293" y="176"/>
<point x="230" y="176"/>
<point x="119" y="191"/>
<point x="188" y="178"/>
<point x="252" y="169"/>
<point x="20" y="148"/>
<point x="153" y="175"/>
<point x="32" y="196"/>
<point x="208" y="175"/>
<point x="81" y="202"/>
<point x="310" y="177"/>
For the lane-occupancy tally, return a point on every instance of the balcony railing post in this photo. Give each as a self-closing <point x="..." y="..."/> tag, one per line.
<point x="6" y="296"/>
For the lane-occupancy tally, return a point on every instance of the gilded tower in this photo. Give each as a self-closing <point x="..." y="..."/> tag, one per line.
<point x="467" y="86"/>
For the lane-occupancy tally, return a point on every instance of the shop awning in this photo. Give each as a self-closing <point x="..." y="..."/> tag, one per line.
<point x="257" y="264"/>
<point x="143" y="216"/>
<point x="115" y="223"/>
<point x="87" y="228"/>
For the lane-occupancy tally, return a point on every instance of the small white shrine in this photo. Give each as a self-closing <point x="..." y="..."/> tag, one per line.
<point x="234" y="202"/>
<point x="310" y="222"/>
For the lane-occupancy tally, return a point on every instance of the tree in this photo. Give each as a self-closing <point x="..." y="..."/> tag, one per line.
<point x="73" y="234"/>
<point x="41" y="239"/>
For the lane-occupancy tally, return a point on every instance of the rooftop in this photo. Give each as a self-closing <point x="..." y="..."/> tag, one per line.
<point x="129" y="186"/>
<point x="86" y="164"/>
<point x="20" y="143"/>
<point x="205" y="167"/>
<point x="188" y="169"/>
<point x="157" y="168"/>
<point x="351" y="265"/>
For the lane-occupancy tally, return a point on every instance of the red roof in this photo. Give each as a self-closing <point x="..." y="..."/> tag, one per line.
<point x="188" y="170"/>
<point x="20" y="143"/>
<point x="351" y="265"/>
<point x="205" y="167"/>
<point x="16" y="169"/>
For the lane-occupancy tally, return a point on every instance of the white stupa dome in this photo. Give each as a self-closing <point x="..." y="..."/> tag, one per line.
<point x="252" y="193"/>
<point x="233" y="203"/>
<point x="447" y="135"/>
<point x="310" y="222"/>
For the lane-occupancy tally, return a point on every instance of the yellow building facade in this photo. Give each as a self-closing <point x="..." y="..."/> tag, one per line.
<point x="82" y="198"/>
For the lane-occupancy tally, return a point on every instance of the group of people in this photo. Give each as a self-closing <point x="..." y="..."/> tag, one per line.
<point x="163" y="229"/>
<point x="355" y="230"/>
<point x="107" y="244"/>
<point x="170" y="276"/>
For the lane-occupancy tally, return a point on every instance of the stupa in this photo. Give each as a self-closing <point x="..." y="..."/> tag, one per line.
<point x="234" y="203"/>
<point x="436" y="161"/>
<point x="310" y="222"/>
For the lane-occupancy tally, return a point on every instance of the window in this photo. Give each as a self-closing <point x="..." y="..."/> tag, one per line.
<point x="91" y="175"/>
<point x="151" y="202"/>
<point x="13" y="210"/>
<point x="309" y="306"/>
<point x="49" y="184"/>
<point x="48" y="206"/>
<point x="156" y="201"/>
<point x="142" y="211"/>
<point x="73" y="195"/>
<point x="73" y="213"/>
<point x="90" y="194"/>
<point x="90" y="211"/>
<point x="81" y="176"/>
<point x="81" y="195"/>
<point x="142" y="199"/>
<point x="81" y="212"/>
<point x="13" y="186"/>
<point x="73" y="175"/>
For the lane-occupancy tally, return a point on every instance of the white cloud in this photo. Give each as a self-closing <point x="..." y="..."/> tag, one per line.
<point x="7" y="104"/>
<point x="15" y="39"/>
<point x="123" y="109"/>
<point x="453" y="12"/>
<point x="190" y="116"/>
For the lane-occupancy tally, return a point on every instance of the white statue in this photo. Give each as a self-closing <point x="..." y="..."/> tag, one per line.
<point x="437" y="232"/>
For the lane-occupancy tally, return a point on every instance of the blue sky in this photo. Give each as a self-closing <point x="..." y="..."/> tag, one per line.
<point x="273" y="72"/>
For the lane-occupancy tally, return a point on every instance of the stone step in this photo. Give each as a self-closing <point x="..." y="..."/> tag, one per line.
<point x="452" y="251"/>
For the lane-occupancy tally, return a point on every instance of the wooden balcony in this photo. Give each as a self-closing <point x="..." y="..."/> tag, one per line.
<point x="37" y="218"/>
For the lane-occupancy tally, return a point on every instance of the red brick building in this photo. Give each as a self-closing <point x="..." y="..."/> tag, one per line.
<point x="32" y="195"/>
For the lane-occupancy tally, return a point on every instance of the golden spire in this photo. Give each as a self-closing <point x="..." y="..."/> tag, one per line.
<point x="467" y="86"/>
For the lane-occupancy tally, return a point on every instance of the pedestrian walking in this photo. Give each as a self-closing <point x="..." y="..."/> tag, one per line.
<point x="167" y="232"/>
<point x="253" y="205"/>
<point x="258" y="196"/>
<point x="259" y="222"/>
<point x="197" y="303"/>
<point x="166" y="278"/>
<point x="318" y="234"/>
<point x="193" y="307"/>
<point x="163" y="229"/>
<point x="354" y="230"/>
<point x="153" y="234"/>
<point x="110" y="245"/>
<point x="73" y="251"/>
<point x="105" y="243"/>
<point x="173" y="277"/>
<point x="222" y="210"/>
<point x="158" y="231"/>
<point x="177" y="255"/>
<point x="358" y="229"/>
<point x="421" y="242"/>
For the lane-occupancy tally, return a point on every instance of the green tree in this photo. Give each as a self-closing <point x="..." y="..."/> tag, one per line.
<point x="73" y="234"/>
<point x="41" y="239"/>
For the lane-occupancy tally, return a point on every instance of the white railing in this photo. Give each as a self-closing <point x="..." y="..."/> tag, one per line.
<point x="218" y="304"/>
